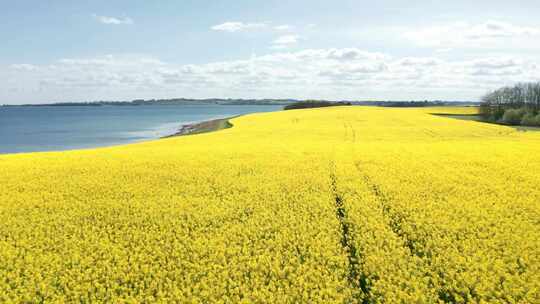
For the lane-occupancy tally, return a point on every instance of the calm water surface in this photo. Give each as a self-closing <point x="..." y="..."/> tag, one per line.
<point x="30" y="129"/>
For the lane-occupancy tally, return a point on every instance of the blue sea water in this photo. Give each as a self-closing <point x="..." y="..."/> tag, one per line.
<point x="31" y="129"/>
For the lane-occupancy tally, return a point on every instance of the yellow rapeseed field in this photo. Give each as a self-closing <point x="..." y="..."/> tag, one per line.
<point x="334" y="205"/>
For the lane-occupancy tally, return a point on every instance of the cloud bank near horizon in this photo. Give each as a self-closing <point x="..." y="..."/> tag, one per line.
<point x="292" y="70"/>
<point x="113" y="20"/>
<point x="346" y="73"/>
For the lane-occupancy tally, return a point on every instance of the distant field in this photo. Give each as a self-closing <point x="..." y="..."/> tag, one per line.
<point x="333" y="205"/>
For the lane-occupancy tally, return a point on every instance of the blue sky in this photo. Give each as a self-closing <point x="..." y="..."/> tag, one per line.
<point x="122" y="50"/>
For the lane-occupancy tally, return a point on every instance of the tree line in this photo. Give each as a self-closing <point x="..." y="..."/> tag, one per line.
<point x="513" y="105"/>
<point x="314" y="104"/>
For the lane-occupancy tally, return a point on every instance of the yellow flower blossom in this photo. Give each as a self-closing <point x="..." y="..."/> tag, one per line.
<point x="334" y="205"/>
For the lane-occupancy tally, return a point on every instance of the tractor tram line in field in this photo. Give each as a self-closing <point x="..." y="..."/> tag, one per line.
<point x="357" y="279"/>
<point x="395" y="221"/>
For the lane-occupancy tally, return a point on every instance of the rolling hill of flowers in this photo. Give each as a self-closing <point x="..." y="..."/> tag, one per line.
<point x="333" y="205"/>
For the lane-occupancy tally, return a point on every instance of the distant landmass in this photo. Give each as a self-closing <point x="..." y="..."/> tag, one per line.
<point x="219" y="101"/>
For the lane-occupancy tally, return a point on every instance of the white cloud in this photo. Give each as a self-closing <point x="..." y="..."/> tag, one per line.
<point x="235" y="26"/>
<point x="113" y="20"/>
<point x="110" y="60"/>
<point x="416" y="61"/>
<point x="286" y="40"/>
<point x="279" y="47"/>
<point x="464" y="34"/>
<point x="495" y="29"/>
<point x="499" y="66"/>
<point x="495" y="63"/>
<point x="352" y="54"/>
<point x="283" y="27"/>
<point x="444" y="50"/>
<point x="346" y="73"/>
<point x="24" y="67"/>
<point x="352" y="72"/>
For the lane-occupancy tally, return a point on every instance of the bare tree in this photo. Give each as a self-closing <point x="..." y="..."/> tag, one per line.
<point x="521" y="96"/>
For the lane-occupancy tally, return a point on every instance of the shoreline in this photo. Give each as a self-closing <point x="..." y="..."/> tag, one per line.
<point x="201" y="127"/>
<point x="198" y="120"/>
